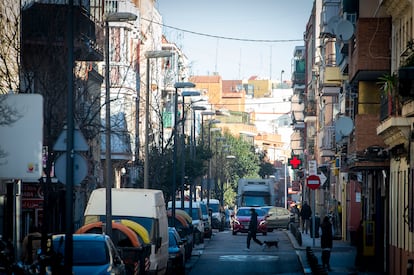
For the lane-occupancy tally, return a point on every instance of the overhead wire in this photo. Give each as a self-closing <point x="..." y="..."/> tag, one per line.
<point x="225" y="37"/>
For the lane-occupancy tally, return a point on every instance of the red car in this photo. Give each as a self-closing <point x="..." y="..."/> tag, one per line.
<point x="240" y="221"/>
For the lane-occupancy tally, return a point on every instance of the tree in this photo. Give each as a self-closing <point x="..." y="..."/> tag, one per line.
<point x="10" y="46"/>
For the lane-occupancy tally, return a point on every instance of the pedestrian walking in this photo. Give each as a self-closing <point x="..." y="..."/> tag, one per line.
<point x="326" y="242"/>
<point x="295" y="211"/>
<point x="305" y="214"/>
<point x="251" y="234"/>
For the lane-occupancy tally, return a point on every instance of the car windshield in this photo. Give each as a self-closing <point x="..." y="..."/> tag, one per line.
<point x="214" y="208"/>
<point x="246" y="212"/>
<point x="203" y="208"/>
<point x="85" y="252"/>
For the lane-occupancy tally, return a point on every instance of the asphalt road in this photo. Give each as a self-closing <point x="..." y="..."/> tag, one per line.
<point x="224" y="254"/>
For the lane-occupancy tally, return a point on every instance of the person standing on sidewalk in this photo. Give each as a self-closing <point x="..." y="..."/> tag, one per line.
<point x="305" y="214"/>
<point x="251" y="234"/>
<point x="326" y="242"/>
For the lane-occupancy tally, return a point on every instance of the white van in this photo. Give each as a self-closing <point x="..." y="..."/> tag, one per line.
<point x="196" y="215"/>
<point x="218" y="218"/>
<point x="143" y="206"/>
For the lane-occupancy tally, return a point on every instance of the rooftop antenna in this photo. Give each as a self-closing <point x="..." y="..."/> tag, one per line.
<point x="240" y="57"/>
<point x="217" y="45"/>
<point x="270" y="65"/>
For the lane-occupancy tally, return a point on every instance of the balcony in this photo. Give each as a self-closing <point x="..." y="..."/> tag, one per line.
<point x="330" y="9"/>
<point x="298" y="75"/>
<point x="332" y="77"/>
<point x="44" y="27"/>
<point x="361" y="65"/>
<point x="326" y="142"/>
<point x="396" y="130"/>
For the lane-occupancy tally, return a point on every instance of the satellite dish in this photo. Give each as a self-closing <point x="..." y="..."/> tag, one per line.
<point x="344" y="125"/>
<point x="332" y="23"/>
<point x="344" y="30"/>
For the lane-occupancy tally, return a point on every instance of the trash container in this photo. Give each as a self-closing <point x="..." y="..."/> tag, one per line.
<point x="317" y="225"/>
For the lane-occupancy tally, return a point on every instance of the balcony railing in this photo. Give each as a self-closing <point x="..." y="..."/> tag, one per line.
<point x="327" y="138"/>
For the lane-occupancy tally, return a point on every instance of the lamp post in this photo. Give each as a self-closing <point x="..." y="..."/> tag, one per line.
<point x="177" y="85"/>
<point x="281" y="75"/>
<point x="193" y="155"/>
<point x="213" y="121"/>
<point x="205" y="113"/>
<point x="285" y="168"/>
<point x="228" y="158"/>
<point x="184" y="94"/>
<point x="218" y="176"/>
<point x="110" y="17"/>
<point x="148" y="56"/>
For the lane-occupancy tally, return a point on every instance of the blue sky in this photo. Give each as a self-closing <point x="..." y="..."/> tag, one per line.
<point x="271" y="20"/>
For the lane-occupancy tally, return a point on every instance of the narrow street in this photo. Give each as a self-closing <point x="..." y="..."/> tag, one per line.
<point x="224" y="254"/>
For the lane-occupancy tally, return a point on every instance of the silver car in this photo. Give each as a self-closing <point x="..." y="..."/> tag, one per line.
<point x="278" y="217"/>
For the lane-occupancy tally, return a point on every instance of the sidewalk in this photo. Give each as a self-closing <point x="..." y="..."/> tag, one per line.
<point x="342" y="255"/>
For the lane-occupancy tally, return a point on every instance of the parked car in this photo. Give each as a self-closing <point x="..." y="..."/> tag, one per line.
<point x="196" y="218"/>
<point x="142" y="206"/>
<point x="242" y="218"/>
<point x="92" y="254"/>
<point x="279" y="217"/>
<point x="208" y="229"/>
<point x="176" y="251"/>
<point x="266" y="208"/>
<point x="184" y="229"/>
<point x="229" y="213"/>
<point x="218" y="218"/>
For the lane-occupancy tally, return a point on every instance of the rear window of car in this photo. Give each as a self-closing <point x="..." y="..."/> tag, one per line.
<point x="243" y="212"/>
<point x="85" y="252"/>
<point x="279" y="211"/>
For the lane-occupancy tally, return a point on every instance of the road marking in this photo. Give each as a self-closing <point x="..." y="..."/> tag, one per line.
<point x="243" y="258"/>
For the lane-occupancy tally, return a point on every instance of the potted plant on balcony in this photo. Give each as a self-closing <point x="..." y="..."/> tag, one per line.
<point x="389" y="84"/>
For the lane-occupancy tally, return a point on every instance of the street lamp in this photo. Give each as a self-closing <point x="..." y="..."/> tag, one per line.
<point x="184" y="94"/>
<point x="110" y="17"/>
<point x="285" y="168"/>
<point x="205" y="113"/>
<point x="177" y="85"/>
<point x="213" y="121"/>
<point x="193" y="145"/>
<point x="218" y="175"/>
<point x="148" y="56"/>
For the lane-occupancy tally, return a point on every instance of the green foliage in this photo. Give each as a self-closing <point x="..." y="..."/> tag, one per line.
<point x="388" y="84"/>
<point x="244" y="163"/>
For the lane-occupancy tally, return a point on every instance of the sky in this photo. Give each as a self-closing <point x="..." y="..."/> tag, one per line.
<point x="237" y="38"/>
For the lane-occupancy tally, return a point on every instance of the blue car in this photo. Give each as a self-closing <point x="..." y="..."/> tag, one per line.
<point x="176" y="251"/>
<point x="92" y="254"/>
